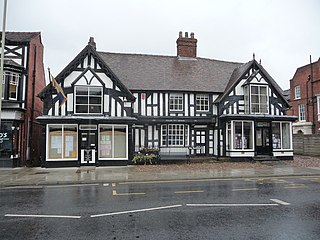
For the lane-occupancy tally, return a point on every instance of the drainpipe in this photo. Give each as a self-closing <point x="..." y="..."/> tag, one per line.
<point x="312" y="97"/>
<point x="32" y="105"/>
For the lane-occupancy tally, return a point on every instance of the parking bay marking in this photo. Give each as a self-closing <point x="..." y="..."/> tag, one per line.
<point x="114" y="193"/>
<point x="277" y="203"/>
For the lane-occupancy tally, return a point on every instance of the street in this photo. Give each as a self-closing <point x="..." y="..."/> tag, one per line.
<point x="243" y="208"/>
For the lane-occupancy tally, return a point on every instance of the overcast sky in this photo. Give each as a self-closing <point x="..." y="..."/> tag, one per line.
<point x="282" y="33"/>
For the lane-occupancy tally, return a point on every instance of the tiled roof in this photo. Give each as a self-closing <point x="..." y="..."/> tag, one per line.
<point x="20" y="36"/>
<point x="151" y="72"/>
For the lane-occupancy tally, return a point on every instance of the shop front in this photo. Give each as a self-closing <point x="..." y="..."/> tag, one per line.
<point x="258" y="137"/>
<point x="9" y="135"/>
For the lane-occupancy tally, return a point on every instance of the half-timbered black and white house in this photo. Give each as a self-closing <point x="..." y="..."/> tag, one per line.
<point x="22" y="80"/>
<point x="183" y="105"/>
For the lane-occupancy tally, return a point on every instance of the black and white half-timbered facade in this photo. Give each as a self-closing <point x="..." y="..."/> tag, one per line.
<point x="182" y="105"/>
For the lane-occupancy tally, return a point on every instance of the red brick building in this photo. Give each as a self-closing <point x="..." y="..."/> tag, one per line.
<point x="305" y="98"/>
<point x="23" y="78"/>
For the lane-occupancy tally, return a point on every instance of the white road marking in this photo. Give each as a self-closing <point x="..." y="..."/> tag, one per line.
<point x="23" y="187"/>
<point x="41" y="216"/>
<point x="114" y="193"/>
<point x="190" y="191"/>
<point x="106" y="184"/>
<point x="280" y="202"/>
<point x="73" y="185"/>
<point x="245" y="189"/>
<point x="231" y="204"/>
<point x="135" y="211"/>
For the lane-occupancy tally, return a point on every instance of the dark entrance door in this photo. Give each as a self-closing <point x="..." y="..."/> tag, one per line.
<point x="262" y="133"/>
<point x="200" y="144"/>
<point x="88" y="145"/>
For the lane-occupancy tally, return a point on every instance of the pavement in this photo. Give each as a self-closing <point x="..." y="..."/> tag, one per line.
<point x="85" y="175"/>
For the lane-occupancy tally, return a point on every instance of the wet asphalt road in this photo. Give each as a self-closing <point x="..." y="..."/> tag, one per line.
<point x="270" y="208"/>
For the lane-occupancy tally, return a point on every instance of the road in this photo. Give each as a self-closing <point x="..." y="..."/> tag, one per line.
<point x="268" y="208"/>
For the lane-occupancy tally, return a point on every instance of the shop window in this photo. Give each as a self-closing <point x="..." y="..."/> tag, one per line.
<point x="174" y="135"/>
<point x="176" y="102"/>
<point x="113" y="142"/>
<point x="228" y="135"/>
<point x="202" y="102"/>
<point x="243" y="135"/>
<point x="88" y="99"/>
<point x="318" y="107"/>
<point x="6" y="146"/>
<point x="62" y="142"/>
<point x="281" y="137"/>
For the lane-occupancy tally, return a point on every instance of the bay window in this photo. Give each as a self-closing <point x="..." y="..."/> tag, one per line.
<point x="240" y="135"/>
<point x="174" y="135"/>
<point x="10" y="85"/>
<point x="281" y="135"/>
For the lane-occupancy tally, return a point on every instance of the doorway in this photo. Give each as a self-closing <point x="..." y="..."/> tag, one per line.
<point x="88" y="144"/>
<point x="263" y="146"/>
<point x="200" y="143"/>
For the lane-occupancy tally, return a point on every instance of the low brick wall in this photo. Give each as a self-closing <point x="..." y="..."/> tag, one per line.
<point x="306" y="144"/>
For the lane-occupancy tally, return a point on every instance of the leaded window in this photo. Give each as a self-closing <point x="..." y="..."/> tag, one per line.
<point x="259" y="99"/>
<point x="174" y="135"/>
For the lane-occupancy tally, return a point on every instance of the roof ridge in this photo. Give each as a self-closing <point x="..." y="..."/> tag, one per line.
<point x="166" y="56"/>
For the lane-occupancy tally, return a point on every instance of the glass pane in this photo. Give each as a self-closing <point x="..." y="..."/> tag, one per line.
<point x="263" y="90"/>
<point x="6" y="139"/>
<point x="70" y="141"/>
<point x="120" y="142"/>
<point x="95" y="91"/>
<point x="237" y="135"/>
<point x="55" y="142"/>
<point x="95" y="109"/>
<point x="95" y="100"/>
<point x="254" y="90"/>
<point x="285" y="135"/>
<point x="82" y="91"/>
<point x="82" y="100"/>
<point x="82" y="108"/>
<point x="105" y="142"/>
<point x="276" y="137"/>
<point x="247" y="138"/>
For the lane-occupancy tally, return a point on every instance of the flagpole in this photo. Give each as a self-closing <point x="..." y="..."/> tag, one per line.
<point x="50" y="86"/>
<point x="2" y="52"/>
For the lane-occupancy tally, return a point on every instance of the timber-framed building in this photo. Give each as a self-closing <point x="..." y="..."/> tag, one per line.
<point x="183" y="105"/>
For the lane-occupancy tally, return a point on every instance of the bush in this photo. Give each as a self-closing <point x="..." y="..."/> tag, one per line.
<point x="146" y="156"/>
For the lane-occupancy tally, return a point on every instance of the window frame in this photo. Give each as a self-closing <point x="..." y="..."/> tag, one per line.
<point x="10" y="78"/>
<point x="302" y="114"/>
<point x="182" y="139"/>
<point x="176" y="101"/>
<point x="63" y="146"/>
<point x="318" y="107"/>
<point x="113" y="126"/>
<point x="297" y="92"/>
<point x="202" y="103"/>
<point x="281" y="133"/>
<point x="88" y="98"/>
<point x="259" y="98"/>
<point x="230" y="127"/>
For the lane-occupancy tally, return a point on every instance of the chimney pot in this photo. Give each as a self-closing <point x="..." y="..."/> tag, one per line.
<point x="187" y="47"/>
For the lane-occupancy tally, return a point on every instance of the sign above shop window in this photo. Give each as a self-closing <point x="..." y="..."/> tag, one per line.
<point x="263" y="124"/>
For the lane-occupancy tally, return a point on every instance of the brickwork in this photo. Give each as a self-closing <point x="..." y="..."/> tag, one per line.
<point x="309" y="82"/>
<point x="187" y="46"/>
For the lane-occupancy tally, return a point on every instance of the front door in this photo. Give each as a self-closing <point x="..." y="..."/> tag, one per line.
<point x="88" y="147"/>
<point x="200" y="144"/>
<point x="263" y="146"/>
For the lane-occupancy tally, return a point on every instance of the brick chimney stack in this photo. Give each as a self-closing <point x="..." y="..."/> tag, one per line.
<point x="92" y="42"/>
<point x="186" y="47"/>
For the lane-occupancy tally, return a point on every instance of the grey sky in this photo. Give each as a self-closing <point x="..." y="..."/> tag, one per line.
<point x="282" y="33"/>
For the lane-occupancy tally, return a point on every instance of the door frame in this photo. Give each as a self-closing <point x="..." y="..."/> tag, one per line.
<point x="266" y="148"/>
<point x="92" y="149"/>
<point x="201" y="149"/>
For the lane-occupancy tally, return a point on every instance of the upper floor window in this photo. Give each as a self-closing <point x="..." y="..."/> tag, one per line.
<point x="259" y="99"/>
<point x="202" y="102"/>
<point x="88" y="99"/>
<point x="297" y="94"/>
<point x="10" y="85"/>
<point x="176" y="102"/>
<point x="302" y="112"/>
